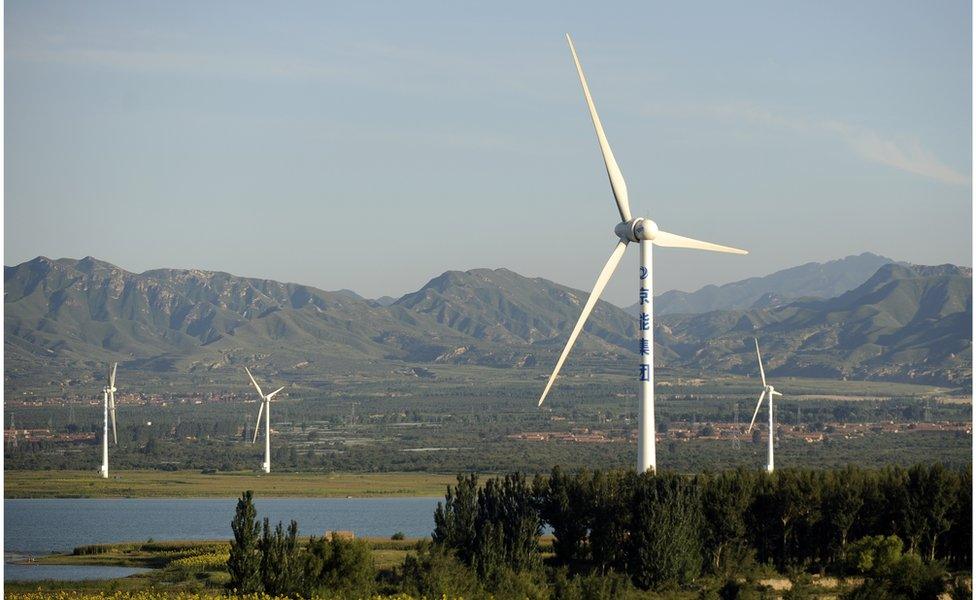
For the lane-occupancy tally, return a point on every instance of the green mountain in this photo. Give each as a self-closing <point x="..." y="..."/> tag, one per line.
<point x="822" y="280"/>
<point x="504" y="307"/>
<point x="906" y="322"/>
<point x="65" y="317"/>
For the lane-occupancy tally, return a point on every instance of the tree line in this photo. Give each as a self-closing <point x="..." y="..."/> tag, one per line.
<point x="670" y="529"/>
<point x="616" y="533"/>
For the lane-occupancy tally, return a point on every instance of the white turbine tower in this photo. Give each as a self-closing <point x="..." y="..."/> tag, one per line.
<point x="768" y="392"/>
<point x="646" y="233"/>
<point x="104" y="469"/>
<point x="266" y="408"/>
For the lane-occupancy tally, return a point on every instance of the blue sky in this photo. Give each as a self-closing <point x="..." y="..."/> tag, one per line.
<point x="373" y="146"/>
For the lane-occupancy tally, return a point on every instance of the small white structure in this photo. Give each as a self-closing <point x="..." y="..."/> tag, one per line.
<point x="646" y="233"/>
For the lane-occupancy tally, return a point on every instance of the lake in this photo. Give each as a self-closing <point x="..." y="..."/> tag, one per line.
<point x="29" y="572"/>
<point x="41" y="526"/>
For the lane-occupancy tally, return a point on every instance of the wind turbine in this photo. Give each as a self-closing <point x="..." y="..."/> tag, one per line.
<point x="111" y="400"/>
<point x="769" y="392"/>
<point x="266" y="408"/>
<point x="645" y="232"/>
<point x="108" y="398"/>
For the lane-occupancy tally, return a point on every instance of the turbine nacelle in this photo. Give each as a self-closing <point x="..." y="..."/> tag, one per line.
<point x="636" y="230"/>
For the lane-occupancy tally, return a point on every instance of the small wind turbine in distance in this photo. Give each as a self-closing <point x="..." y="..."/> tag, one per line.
<point x="266" y="409"/>
<point x="769" y="392"/>
<point x="108" y="398"/>
<point x="646" y="233"/>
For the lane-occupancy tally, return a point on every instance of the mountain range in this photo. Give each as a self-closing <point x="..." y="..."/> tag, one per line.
<point x="897" y="322"/>
<point x="813" y="279"/>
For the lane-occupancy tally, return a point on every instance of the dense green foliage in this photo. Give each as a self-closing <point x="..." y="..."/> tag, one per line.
<point x="338" y="566"/>
<point x="669" y="529"/>
<point x="493" y="529"/>
<point x="278" y="564"/>
<point x="617" y="534"/>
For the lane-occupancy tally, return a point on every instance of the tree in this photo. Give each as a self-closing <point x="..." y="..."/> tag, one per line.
<point x="909" y="577"/>
<point x="563" y="502"/>
<point x="338" y="566"/>
<point x="508" y="521"/>
<point x="873" y="555"/>
<point x="725" y="501"/>
<point x="664" y="546"/>
<point x="432" y="571"/>
<point x="934" y="490"/>
<point x="610" y="517"/>
<point x="281" y="560"/>
<point x="244" y="562"/>
<point x="842" y="502"/>
<point x="454" y="521"/>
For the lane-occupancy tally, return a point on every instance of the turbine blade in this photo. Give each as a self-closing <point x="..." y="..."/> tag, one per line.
<point x="601" y="282"/>
<point x="257" y="425"/>
<point x="256" y="386"/>
<point x="775" y="393"/>
<point x="617" y="183"/>
<point x="111" y="408"/>
<point x="758" y="404"/>
<point x="759" y="356"/>
<point x="271" y="395"/>
<point x="670" y="240"/>
<point x="111" y="375"/>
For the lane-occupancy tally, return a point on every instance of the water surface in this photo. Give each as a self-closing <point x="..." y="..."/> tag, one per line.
<point x="35" y="572"/>
<point x="40" y="526"/>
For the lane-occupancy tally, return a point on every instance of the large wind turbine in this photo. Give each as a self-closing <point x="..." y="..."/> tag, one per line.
<point x="768" y="392"/>
<point x="266" y="408"/>
<point x="646" y="233"/>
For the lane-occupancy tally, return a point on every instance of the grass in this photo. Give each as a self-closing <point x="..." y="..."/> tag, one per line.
<point x="193" y="484"/>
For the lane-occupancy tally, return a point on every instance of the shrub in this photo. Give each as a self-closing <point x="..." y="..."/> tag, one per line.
<point x="339" y="566"/>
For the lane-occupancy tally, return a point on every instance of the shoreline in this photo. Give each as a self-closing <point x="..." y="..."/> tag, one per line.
<point x="186" y="485"/>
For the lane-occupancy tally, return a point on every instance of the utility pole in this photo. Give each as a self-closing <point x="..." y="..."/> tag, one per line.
<point x="13" y="429"/>
<point x="735" y="428"/>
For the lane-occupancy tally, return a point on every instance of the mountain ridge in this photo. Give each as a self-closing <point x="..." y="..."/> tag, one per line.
<point x="820" y="279"/>
<point x="903" y="323"/>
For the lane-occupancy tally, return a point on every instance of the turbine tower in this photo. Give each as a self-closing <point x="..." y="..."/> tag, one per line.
<point x="104" y="469"/>
<point x="646" y="234"/>
<point x="769" y="392"/>
<point x="266" y="408"/>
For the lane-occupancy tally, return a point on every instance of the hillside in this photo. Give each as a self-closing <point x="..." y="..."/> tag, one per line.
<point x="821" y="280"/>
<point x="65" y="317"/>
<point x="904" y="323"/>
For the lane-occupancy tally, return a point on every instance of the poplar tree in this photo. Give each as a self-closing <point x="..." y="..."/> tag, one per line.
<point x="244" y="563"/>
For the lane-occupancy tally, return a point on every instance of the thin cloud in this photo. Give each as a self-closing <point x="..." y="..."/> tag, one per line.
<point x="905" y="155"/>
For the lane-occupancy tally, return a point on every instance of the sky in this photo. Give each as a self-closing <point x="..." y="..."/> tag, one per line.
<point x="372" y="146"/>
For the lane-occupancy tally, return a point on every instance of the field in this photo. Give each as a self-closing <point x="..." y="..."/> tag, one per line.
<point x="194" y="484"/>
<point x="409" y="435"/>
